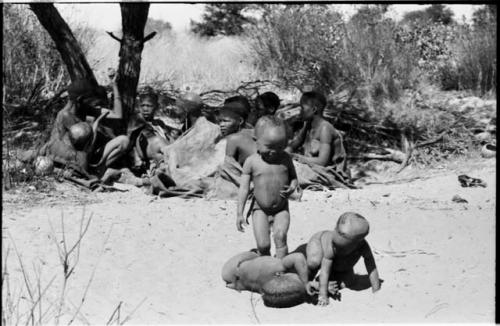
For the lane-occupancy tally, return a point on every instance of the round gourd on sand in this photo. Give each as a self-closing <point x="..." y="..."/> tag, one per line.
<point x="44" y="165"/>
<point x="283" y="291"/>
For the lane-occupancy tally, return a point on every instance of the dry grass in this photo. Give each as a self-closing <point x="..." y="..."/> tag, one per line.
<point x="185" y="61"/>
<point x="28" y="300"/>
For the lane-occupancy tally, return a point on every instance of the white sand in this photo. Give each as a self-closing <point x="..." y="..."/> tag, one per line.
<point x="436" y="257"/>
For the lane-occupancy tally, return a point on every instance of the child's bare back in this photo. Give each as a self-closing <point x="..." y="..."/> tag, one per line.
<point x="336" y="252"/>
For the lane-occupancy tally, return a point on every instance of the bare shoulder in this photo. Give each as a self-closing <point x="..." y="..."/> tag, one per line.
<point x="252" y="159"/>
<point x="326" y="126"/>
<point x="318" y="235"/>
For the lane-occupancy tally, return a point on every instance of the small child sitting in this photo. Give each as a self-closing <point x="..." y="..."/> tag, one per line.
<point x="336" y="252"/>
<point x="265" y="104"/>
<point x="273" y="174"/>
<point x="240" y="143"/>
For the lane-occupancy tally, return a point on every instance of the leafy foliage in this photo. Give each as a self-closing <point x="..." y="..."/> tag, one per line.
<point x="221" y="19"/>
<point x="436" y="13"/>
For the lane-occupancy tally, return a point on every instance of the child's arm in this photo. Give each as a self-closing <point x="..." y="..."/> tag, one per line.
<point x="326" y="268"/>
<point x="117" y="112"/>
<point x="297" y="262"/>
<point x="292" y="176"/>
<point x="371" y="267"/>
<point x="298" y="139"/>
<point x="243" y="194"/>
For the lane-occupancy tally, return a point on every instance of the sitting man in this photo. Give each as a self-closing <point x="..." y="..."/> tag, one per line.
<point x="321" y="143"/>
<point x="73" y="142"/>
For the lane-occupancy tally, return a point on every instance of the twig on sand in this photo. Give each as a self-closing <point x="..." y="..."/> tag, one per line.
<point x="115" y="312"/>
<point x="133" y="311"/>
<point x="437" y="308"/>
<point x="252" y="303"/>
<point x="93" y="271"/>
<point x="65" y="254"/>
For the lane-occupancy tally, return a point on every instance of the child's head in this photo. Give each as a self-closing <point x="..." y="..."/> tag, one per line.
<point x="271" y="136"/>
<point x="267" y="103"/>
<point x="148" y="104"/>
<point x="80" y="135"/>
<point x="229" y="121"/>
<point x="239" y="104"/>
<point x="351" y="229"/>
<point x="312" y="103"/>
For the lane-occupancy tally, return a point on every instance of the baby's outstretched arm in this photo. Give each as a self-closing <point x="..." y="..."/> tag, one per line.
<point x="371" y="267"/>
<point x="297" y="262"/>
<point x="326" y="267"/>
<point x="243" y="194"/>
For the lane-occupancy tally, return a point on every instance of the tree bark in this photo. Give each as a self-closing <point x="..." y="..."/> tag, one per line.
<point x="134" y="17"/>
<point x="65" y="41"/>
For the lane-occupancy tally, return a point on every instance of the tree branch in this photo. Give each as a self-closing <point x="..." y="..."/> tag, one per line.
<point x="114" y="37"/>
<point x="150" y="36"/>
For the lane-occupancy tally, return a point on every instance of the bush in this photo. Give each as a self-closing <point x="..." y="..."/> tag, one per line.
<point x="31" y="63"/>
<point x="313" y="45"/>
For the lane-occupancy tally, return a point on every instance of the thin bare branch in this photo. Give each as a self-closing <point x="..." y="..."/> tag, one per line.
<point x="133" y="311"/>
<point x="114" y="37"/>
<point x="150" y="36"/>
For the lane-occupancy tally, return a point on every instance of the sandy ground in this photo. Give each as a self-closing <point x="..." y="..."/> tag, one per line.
<point x="163" y="257"/>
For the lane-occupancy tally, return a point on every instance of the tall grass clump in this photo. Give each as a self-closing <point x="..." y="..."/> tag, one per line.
<point x="184" y="60"/>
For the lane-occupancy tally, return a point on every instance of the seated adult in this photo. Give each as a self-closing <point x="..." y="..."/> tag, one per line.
<point x="283" y="282"/>
<point x="265" y="104"/>
<point x="321" y="144"/>
<point x="73" y="141"/>
<point x="154" y="136"/>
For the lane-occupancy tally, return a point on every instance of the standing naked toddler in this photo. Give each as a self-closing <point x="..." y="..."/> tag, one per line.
<point x="273" y="174"/>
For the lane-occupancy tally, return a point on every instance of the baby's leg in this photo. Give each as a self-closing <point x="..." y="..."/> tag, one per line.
<point x="314" y="253"/>
<point x="261" y="232"/>
<point x="280" y="230"/>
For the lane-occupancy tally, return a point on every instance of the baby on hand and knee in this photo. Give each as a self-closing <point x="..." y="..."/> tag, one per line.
<point x="336" y="252"/>
<point x="273" y="174"/>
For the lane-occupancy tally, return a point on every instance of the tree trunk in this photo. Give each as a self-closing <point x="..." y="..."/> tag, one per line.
<point x="66" y="43"/>
<point x="134" y="17"/>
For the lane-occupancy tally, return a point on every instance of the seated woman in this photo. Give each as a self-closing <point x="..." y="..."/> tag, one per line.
<point x="321" y="143"/>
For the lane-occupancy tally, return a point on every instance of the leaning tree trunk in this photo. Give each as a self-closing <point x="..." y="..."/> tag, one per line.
<point x="66" y="43"/>
<point x="134" y="17"/>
